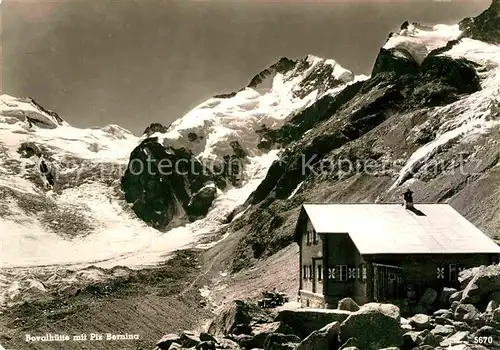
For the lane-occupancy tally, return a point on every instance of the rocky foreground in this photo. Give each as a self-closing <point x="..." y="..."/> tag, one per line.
<point x="468" y="318"/>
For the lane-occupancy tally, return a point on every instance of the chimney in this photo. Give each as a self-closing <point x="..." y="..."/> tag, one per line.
<point x="408" y="198"/>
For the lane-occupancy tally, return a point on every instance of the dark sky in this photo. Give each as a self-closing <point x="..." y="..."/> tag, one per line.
<point x="97" y="62"/>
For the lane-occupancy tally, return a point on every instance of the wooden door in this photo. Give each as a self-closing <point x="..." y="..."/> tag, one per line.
<point x="387" y="282"/>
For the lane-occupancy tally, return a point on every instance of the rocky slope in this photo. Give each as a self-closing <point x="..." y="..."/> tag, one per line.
<point x="468" y="318"/>
<point x="428" y="118"/>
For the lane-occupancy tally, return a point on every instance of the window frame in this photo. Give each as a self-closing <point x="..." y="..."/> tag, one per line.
<point x="342" y="270"/>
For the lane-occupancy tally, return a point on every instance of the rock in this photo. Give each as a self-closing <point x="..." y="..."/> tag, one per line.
<point x="461" y="326"/>
<point x="444" y="298"/>
<point x="236" y="314"/>
<point x="206" y="345"/>
<point x="420" y="322"/>
<point x="428" y="298"/>
<point x="325" y="338"/>
<point x="175" y="346"/>
<point x="405" y="324"/>
<point x="201" y="201"/>
<point x="229" y="344"/>
<point x="261" y="331"/>
<point x="495" y="317"/>
<point x="487" y="331"/>
<point x="398" y="61"/>
<point x="441" y="315"/>
<point x="471" y="294"/>
<point x="207" y="337"/>
<point x="454" y="339"/>
<point x="351" y="343"/>
<point x="410" y="339"/>
<point x="278" y="341"/>
<point x="495" y="296"/>
<point x="487" y="280"/>
<point x="374" y="325"/>
<point x="306" y="321"/>
<point x="484" y="27"/>
<point x="467" y="313"/>
<point x="457" y="296"/>
<point x="454" y="305"/>
<point x="492" y="305"/>
<point x="347" y="304"/>
<point x="429" y="339"/>
<point x="444" y="331"/>
<point x="159" y="182"/>
<point x="466" y="276"/>
<point x="164" y="343"/>
<point x="154" y="128"/>
<point x="188" y="339"/>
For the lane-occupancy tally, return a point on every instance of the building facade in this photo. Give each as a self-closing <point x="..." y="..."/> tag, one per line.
<point x="338" y="259"/>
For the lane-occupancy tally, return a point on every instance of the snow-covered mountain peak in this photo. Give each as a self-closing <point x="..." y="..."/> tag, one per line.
<point x="420" y="40"/>
<point x="273" y="95"/>
<point x="27" y="109"/>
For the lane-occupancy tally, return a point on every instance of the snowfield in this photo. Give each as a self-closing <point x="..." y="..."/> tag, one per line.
<point x="80" y="230"/>
<point x="474" y="114"/>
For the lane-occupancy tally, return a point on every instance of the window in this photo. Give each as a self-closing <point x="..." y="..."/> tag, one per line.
<point x="320" y="273"/>
<point x="343" y="272"/>
<point x="308" y="237"/>
<point x="311" y="272"/>
<point x="315" y="237"/>
<point x="453" y="273"/>
<point x="304" y="272"/>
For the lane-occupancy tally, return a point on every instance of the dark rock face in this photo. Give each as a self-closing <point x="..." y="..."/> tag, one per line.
<point x="282" y="66"/>
<point x="485" y="27"/>
<point x="163" y="184"/>
<point x="398" y="61"/>
<point x="154" y="128"/>
<point x="53" y="114"/>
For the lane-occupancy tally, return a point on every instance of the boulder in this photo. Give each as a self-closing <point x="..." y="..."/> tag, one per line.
<point x="175" y="346"/>
<point x="444" y="331"/>
<point x="405" y="324"/>
<point x="278" y="341"/>
<point x="375" y="326"/>
<point x="207" y="337"/>
<point x="492" y="305"/>
<point x="410" y="339"/>
<point x="306" y="321"/>
<point x="444" y="298"/>
<point x="454" y="305"/>
<point x="325" y="338"/>
<point x="201" y="201"/>
<point x="495" y="296"/>
<point x="420" y="322"/>
<point x="428" y="298"/>
<point x="237" y="316"/>
<point x="487" y="280"/>
<point x="351" y="344"/>
<point x="455" y="339"/>
<point x="347" y="304"/>
<point x="471" y="294"/>
<point x="229" y="344"/>
<point x="165" y="342"/>
<point x="457" y="296"/>
<point x="467" y="313"/>
<point x="261" y="331"/>
<point x="429" y="339"/>
<point x="206" y="345"/>
<point x="188" y="339"/>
